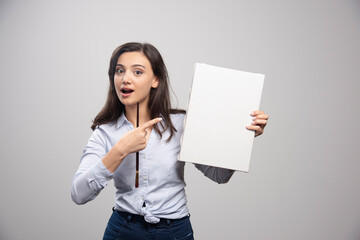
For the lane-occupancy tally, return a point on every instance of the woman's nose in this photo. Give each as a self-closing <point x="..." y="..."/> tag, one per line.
<point x="125" y="79"/>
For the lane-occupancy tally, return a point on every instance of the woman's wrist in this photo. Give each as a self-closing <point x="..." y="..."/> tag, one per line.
<point x="114" y="157"/>
<point x="120" y="148"/>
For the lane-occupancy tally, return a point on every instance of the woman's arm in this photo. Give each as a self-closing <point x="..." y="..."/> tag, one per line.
<point x="219" y="175"/>
<point x="98" y="164"/>
<point x="92" y="176"/>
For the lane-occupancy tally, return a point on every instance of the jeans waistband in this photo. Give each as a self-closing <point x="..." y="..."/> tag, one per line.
<point x="140" y="219"/>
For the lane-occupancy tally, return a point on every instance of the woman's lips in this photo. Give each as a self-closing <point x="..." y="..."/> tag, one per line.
<point x="126" y="92"/>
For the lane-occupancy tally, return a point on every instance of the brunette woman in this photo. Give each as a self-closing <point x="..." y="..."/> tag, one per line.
<point x="157" y="208"/>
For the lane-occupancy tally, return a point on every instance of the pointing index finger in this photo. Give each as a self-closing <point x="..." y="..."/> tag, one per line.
<point x="150" y="123"/>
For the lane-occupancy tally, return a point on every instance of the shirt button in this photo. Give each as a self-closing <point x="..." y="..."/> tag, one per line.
<point x="144" y="157"/>
<point x="145" y="178"/>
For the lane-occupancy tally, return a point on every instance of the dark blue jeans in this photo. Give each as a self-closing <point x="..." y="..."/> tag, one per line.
<point x="127" y="226"/>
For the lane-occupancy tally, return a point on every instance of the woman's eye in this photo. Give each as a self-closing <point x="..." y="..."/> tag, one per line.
<point x="138" y="72"/>
<point x="119" y="71"/>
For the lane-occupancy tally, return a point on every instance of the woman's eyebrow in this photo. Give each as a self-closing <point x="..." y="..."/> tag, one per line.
<point x="138" y="65"/>
<point x="135" y="65"/>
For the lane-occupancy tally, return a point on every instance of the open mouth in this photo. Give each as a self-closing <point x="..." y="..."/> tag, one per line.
<point x="126" y="90"/>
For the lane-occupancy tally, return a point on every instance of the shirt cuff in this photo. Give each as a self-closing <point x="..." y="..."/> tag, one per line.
<point x="100" y="173"/>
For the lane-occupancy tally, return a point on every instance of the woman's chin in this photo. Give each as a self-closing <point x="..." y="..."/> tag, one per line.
<point x="130" y="102"/>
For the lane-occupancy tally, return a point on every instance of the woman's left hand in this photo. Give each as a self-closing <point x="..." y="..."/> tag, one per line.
<point x="259" y="122"/>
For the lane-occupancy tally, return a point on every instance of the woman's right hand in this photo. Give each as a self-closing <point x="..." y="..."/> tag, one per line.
<point x="133" y="141"/>
<point x="137" y="139"/>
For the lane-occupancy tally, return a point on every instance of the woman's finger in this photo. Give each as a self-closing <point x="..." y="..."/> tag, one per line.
<point x="255" y="113"/>
<point x="258" y="130"/>
<point x="150" y="123"/>
<point x="253" y="127"/>
<point x="259" y="121"/>
<point x="262" y="116"/>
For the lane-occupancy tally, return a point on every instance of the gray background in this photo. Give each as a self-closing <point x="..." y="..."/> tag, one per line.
<point x="304" y="180"/>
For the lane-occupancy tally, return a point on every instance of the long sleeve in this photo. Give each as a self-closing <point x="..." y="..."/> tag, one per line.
<point x="92" y="176"/>
<point x="219" y="175"/>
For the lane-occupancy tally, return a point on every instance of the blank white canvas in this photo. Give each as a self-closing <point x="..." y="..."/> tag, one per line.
<point x="219" y="108"/>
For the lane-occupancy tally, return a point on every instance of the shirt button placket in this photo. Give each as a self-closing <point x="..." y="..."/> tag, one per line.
<point x="144" y="178"/>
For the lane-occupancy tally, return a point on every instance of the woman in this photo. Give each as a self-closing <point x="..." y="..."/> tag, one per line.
<point x="157" y="208"/>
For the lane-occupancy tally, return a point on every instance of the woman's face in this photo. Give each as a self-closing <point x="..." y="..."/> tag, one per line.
<point x="134" y="78"/>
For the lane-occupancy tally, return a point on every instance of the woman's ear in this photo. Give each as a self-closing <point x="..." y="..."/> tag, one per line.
<point x="155" y="83"/>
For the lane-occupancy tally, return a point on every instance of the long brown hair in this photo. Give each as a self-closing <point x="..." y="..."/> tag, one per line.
<point x="159" y="102"/>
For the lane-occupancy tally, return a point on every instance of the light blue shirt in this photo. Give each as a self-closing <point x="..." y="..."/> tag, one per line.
<point x="161" y="175"/>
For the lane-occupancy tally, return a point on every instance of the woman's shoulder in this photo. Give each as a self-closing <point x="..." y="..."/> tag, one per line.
<point x="177" y="118"/>
<point x="112" y="125"/>
<point x="106" y="128"/>
<point x="177" y="114"/>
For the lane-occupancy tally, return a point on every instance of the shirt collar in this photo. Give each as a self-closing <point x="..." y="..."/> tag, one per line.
<point x="121" y="121"/>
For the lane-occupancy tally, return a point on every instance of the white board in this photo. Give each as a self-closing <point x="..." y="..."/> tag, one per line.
<point x="219" y="108"/>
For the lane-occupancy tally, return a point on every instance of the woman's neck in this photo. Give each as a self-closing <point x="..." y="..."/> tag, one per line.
<point x="131" y="113"/>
